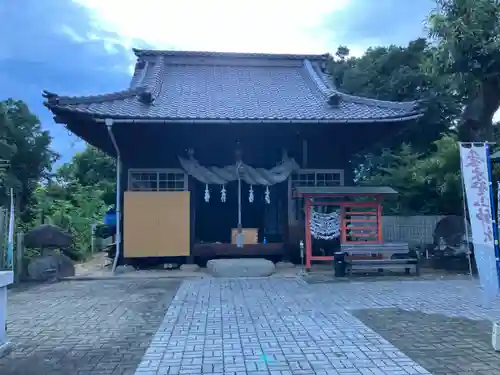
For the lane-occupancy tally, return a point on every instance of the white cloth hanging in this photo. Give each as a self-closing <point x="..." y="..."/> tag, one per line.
<point x="324" y="226"/>
<point x="252" y="176"/>
<point x="207" y="194"/>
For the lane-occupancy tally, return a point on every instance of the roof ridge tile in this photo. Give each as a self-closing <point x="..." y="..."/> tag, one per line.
<point x="176" y="53"/>
<point x="88" y="99"/>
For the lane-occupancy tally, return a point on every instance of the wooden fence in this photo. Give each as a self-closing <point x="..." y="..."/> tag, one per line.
<point x="416" y="230"/>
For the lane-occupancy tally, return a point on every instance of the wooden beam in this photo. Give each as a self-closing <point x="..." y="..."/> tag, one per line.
<point x="308" y="241"/>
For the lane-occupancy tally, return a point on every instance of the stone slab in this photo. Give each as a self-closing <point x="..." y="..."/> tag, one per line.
<point x="243" y="267"/>
<point x="190" y="267"/>
<point x="285" y="265"/>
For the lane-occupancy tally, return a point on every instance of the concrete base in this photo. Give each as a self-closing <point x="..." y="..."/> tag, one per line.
<point x="6" y="278"/>
<point x="495" y="336"/>
<point x="240" y="267"/>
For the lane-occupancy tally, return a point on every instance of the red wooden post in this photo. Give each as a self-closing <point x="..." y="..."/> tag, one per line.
<point x="379" y="219"/>
<point x="343" y="231"/>
<point x="307" y="207"/>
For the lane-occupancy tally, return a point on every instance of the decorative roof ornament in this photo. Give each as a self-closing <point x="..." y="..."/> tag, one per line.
<point x="334" y="100"/>
<point x="145" y="97"/>
<point x="140" y="64"/>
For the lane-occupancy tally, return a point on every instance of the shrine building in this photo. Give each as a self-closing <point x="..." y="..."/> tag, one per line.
<point x="236" y="154"/>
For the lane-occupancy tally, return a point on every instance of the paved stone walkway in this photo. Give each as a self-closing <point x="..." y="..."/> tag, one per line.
<point x="100" y="327"/>
<point x="443" y="345"/>
<point x="250" y="327"/>
<point x="285" y="327"/>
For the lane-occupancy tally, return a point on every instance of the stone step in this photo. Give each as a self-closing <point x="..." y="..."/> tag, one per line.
<point x="240" y="267"/>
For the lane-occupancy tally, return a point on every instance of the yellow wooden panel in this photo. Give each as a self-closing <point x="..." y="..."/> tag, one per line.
<point x="139" y="224"/>
<point x="250" y="235"/>
<point x="174" y="224"/>
<point x="156" y="224"/>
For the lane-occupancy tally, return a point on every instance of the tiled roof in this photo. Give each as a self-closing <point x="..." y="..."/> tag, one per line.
<point x="206" y="86"/>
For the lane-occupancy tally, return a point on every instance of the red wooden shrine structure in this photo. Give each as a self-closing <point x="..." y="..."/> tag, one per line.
<point x="360" y="221"/>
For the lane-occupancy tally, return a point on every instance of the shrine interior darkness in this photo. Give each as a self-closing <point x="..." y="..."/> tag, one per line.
<point x="215" y="219"/>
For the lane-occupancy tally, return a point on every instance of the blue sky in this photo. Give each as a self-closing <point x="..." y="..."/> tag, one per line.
<point x="81" y="47"/>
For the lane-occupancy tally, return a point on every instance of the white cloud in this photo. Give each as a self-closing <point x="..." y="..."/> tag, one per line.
<point x="278" y="26"/>
<point x="72" y="34"/>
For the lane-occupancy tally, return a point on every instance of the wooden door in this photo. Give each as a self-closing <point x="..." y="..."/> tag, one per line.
<point x="156" y="224"/>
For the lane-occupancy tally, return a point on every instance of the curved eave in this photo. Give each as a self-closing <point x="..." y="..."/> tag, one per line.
<point x="99" y="117"/>
<point x="54" y="100"/>
<point x="326" y="88"/>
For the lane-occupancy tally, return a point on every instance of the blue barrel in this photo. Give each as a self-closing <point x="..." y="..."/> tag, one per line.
<point x="110" y="217"/>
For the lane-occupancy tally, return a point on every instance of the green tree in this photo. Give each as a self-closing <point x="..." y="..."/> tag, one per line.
<point x="427" y="184"/>
<point x="77" y="196"/>
<point x="7" y="150"/>
<point x="467" y="36"/>
<point x="92" y="168"/>
<point x="32" y="158"/>
<point x="74" y="208"/>
<point x="401" y="74"/>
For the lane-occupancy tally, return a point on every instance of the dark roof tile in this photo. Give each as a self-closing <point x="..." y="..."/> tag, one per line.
<point x="173" y="85"/>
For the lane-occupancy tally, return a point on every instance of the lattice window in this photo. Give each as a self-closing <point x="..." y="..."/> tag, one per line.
<point x="311" y="178"/>
<point x="157" y="180"/>
<point x="318" y="177"/>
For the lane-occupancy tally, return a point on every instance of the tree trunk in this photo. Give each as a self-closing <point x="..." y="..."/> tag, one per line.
<point x="476" y="122"/>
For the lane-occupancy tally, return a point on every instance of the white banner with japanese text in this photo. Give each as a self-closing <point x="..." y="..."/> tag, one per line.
<point x="476" y="180"/>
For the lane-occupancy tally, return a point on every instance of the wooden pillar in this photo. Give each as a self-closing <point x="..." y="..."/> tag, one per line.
<point x="192" y="218"/>
<point x="343" y="230"/>
<point x="308" y="241"/>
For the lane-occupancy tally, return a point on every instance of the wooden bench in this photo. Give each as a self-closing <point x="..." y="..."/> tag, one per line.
<point x="380" y="257"/>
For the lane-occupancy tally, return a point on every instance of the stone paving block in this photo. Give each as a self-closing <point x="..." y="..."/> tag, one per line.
<point x="436" y="342"/>
<point x="256" y="327"/>
<point x="99" y="327"/>
<point x="282" y="325"/>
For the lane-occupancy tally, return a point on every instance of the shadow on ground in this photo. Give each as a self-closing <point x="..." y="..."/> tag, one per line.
<point x="84" y="327"/>
<point x="442" y="345"/>
<point x="327" y="276"/>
